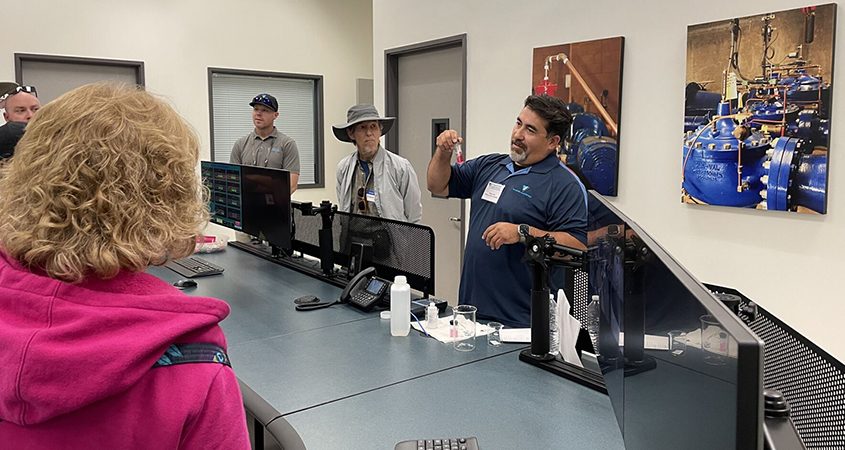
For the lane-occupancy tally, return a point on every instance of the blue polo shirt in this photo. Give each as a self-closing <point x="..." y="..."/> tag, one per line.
<point x="546" y="195"/>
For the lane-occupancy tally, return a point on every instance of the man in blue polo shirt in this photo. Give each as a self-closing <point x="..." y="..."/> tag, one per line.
<point x="527" y="192"/>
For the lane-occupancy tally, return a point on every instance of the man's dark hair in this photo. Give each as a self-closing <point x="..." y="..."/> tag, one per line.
<point x="553" y="111"/>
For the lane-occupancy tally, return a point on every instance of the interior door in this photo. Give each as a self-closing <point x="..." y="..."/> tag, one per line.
<point x="430" y="94"/>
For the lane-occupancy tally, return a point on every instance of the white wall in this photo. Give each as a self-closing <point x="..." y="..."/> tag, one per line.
<point x="790" y="264"/>
<point x="179" y="40"/>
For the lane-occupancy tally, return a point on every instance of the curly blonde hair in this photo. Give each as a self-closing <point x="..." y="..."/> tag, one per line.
<point x="103" y="180"/>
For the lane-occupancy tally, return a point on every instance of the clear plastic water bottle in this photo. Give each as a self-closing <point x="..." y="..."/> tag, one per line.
<point x="554" y="333"/>
<point x="593" y="315"/>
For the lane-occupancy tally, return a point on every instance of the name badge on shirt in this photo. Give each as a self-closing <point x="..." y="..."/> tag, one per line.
<point x="371" y="195"/>
<point x="275" y="149"/>
<point x="492" y="192"/>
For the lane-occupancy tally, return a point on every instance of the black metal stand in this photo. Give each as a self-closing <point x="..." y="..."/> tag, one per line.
<point x="327" y="271"/>
<point x="291" y="263"/>
<point x="636" y="360"/>
<point x="326" y="211"/>
<point x="539" y="253"/>
<point x="540" y="315"/>
<point x="564" y="369"/>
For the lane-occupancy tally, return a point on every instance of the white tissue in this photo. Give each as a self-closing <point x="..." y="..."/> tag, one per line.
<point x="568" y="327"/>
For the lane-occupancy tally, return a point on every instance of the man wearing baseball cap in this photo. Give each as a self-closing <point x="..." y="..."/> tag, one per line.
<point x="372" y="180"/>
<point x="266" y="146"/>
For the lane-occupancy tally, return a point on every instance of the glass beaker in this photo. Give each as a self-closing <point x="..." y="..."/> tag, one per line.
<point x="463" y="327"/>
<point x="714" y="341"/>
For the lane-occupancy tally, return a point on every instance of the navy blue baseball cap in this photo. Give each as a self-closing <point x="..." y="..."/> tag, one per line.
<point x="266" y="100"/>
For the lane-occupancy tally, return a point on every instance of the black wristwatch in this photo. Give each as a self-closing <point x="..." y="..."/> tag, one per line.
<point x="523" y="232"/>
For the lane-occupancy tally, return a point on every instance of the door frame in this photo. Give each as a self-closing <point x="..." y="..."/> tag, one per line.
<point x="391" y="97"/>
<point x="23" y="58"/>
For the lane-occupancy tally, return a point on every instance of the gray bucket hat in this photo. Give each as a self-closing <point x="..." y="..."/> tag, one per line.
<point x="358" y="114"/>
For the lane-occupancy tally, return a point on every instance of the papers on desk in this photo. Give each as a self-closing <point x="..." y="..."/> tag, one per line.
<point x="521" y="335"/>
<point x="690" y="339"/>
<point x="651" y="342"/>
<point x="442" y="331"/>
<point x="568" y="327"/>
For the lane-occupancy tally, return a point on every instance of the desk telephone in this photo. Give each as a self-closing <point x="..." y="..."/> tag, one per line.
<point x="365" y="290"/>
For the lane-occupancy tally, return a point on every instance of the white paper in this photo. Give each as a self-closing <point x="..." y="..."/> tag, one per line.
<point x="568" y="327"/>
<point x="730" y="87"/>
<point x="651" y="342"/>
<point x="521" y="335"/>
<point x="691" y="339"/>
<point x="443" y="332"/>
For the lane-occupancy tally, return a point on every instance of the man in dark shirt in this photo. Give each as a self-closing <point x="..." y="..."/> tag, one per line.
<point x="527" y="192"/>
<point x="19" y="106"/>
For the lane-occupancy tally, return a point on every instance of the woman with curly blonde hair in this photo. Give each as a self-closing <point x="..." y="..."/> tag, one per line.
<point x="103" y="185"/>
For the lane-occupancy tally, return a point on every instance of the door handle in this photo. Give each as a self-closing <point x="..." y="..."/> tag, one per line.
<point x="454" y="219"/>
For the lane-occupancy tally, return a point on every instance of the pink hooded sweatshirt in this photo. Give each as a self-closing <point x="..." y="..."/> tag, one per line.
<point x="77" y="366"/>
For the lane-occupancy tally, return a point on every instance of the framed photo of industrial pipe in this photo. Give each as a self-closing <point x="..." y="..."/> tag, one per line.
<point x="757" y="111"/>
<point x="588" y="77"/>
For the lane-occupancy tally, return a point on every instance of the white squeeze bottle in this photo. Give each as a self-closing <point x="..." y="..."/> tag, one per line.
<point x="400" y="307"/>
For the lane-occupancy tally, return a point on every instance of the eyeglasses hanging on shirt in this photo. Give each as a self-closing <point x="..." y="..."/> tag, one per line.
<point x="362" y="191"/>
<point x="362" y="199"/>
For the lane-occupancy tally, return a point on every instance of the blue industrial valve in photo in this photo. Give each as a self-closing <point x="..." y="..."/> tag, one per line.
<point x="593" y="151"/>
<point x="728" y="164"/>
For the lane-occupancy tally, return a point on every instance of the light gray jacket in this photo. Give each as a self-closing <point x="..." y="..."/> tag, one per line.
<point x="394" y="180"/>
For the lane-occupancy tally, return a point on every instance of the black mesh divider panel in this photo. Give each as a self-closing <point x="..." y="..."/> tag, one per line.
<point x="580" y="296"/>
<point x="812" y="381"/>
<point x="578" y="292"/>
<point x="577" y="289"/>
<point x="399" y="248"/>
<point x="306" y="238"/>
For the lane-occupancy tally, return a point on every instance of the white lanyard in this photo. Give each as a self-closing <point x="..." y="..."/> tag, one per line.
<point x="267" y="159"/>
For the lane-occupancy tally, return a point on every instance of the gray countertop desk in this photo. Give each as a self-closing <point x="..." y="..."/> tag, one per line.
<point x="337" y="374"/>
<point x="505" y="403"/>
<point x="260" y="295"/>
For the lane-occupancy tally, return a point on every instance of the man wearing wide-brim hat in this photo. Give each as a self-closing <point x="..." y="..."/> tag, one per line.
<point x="372" y="180"/>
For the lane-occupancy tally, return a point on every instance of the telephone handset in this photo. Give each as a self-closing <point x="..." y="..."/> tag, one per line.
<point x="365" y="290"/>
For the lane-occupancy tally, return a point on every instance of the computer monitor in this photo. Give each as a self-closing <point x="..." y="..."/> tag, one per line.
<point x="681" y="370"/>
<point x="254" y="200"/>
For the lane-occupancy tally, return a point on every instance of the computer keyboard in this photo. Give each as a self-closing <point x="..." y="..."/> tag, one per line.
<point x="193" y="266"/>
<point x="469" y="443"/>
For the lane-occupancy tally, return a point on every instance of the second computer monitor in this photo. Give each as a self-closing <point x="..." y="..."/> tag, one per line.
<point x="254" y="200"/>
<point x="681" y="369"/>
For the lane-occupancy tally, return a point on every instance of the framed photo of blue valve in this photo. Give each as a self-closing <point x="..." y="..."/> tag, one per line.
<point x="588" y="77"/>
<point x="757" y="111"/>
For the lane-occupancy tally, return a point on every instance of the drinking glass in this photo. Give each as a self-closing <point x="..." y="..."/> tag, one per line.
<point x="495" y="336"/>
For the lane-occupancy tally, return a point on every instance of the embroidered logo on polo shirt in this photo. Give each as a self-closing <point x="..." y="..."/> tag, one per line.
<point x="523" y="191"/>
